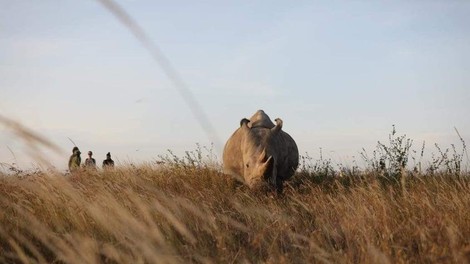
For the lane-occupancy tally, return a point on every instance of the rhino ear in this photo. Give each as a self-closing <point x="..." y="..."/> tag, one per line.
<point x="278" y="126"/>
<point x="244" y="122"/>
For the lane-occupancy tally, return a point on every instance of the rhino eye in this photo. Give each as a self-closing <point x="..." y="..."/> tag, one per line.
<point x="247" y="165"/>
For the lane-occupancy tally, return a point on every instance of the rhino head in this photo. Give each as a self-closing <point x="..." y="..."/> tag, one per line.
<point x="259" y="154"/>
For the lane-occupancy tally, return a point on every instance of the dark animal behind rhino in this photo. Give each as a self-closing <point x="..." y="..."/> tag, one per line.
<point x="261" y="153"/>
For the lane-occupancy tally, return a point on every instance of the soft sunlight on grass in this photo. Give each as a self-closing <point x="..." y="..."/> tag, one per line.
<point x="177" y="212"/>
<point x="183" y="209"/>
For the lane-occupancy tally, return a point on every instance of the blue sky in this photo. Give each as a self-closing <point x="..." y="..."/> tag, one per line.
<point x="339" y="73"/>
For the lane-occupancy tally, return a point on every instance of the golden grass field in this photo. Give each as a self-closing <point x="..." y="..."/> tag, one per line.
<point x="180" y="213"/>
<point x="185" y="210"/>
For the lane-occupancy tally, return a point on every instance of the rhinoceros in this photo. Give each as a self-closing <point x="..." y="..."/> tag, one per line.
<point x="261" y="153"/>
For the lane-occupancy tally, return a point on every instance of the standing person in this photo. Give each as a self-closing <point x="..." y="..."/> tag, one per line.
<point x="108" y="162"/>
<point x="75" y="159"/>
<point x="90" y="162"/>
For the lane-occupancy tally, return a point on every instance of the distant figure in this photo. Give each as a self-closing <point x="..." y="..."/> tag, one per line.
<point x="75" y="160"/>
<point x="90" y="162"/>
<point x="108" y="162"/>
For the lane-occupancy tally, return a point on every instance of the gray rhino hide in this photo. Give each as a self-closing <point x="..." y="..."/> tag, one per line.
<point x="260" y="153"/>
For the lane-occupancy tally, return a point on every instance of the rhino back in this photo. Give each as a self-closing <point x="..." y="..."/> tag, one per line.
<point x="260" y="119"/>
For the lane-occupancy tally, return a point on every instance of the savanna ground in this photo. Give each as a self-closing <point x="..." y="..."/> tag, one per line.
<point x="184" y="210"/>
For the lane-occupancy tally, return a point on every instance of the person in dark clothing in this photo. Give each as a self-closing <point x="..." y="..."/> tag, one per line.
<point x="90" y="162"/>
<point x="75" y="160"/>
<point x="108" y="162"/>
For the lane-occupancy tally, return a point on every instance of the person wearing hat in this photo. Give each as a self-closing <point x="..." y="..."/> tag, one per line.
<point x="108" y="162"/>
<point x="90" y="162"/>
<point x="75" y="159"/>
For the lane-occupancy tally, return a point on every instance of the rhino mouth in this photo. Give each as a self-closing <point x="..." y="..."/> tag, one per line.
<point x="260" y="186"/>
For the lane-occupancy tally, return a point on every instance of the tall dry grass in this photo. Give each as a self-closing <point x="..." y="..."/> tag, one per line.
<point x="181" y="210"/>
<point x="180" y="213"/>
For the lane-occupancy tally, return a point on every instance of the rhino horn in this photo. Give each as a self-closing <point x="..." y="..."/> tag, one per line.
<point x="268" y="167"/>
<point x="278" y="126"/>
<point x="263" y="157"/>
